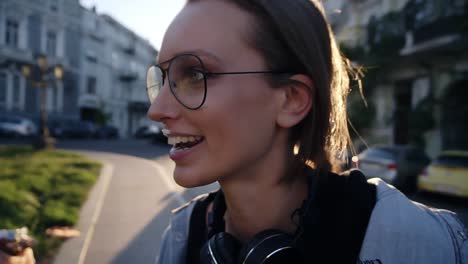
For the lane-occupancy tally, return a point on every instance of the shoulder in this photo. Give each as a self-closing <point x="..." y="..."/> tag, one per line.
<point x="175" y="237"/>
<point x="187" y="206"/>
<point x="180" y="216"/>
<point x="402" y="230"/>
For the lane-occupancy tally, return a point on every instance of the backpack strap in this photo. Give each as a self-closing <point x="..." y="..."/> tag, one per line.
<point x="198" y="228"/>
<point x="334" y="225"/>
<point x="337" y="219"/>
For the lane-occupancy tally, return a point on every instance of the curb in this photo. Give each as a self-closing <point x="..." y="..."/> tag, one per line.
<point x="74" y="250"/>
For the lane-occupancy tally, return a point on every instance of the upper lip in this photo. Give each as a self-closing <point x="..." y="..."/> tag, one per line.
<point x="171" y="133"/>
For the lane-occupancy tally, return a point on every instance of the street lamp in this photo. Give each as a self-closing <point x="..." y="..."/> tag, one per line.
<point x="39" y="76"/>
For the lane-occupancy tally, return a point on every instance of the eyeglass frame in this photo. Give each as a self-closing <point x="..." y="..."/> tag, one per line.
<point x="206" y="74"/>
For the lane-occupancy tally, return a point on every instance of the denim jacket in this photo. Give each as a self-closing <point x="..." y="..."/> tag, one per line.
<point x="399" y="231"/>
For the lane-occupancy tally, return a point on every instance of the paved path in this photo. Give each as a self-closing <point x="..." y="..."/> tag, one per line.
<point x="126" y="214"/>
<point x="127" y="211"/>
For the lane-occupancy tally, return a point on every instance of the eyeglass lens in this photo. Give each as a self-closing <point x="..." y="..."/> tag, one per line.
<point x="186" y="81"/>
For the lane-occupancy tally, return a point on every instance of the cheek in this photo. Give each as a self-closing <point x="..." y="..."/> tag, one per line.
<point x="242" y="116"/>
<point x="244" y="102"/>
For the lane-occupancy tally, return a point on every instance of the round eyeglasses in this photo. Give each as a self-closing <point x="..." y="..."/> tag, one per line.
<point x="187" y="77"/>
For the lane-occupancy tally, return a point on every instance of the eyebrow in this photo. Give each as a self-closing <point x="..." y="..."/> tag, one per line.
<point x="198" y="52"/>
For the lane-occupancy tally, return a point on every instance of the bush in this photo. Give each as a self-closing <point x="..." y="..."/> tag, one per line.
<point x="40" y="189"/>
<point x="59" y="213"/>
<point x="18" y="207"/>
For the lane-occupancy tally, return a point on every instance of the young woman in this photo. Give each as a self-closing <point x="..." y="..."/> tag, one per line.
<point x="253" y="96"/>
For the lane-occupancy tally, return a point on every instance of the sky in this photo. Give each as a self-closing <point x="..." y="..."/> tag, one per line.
<point x="147" y="18"/>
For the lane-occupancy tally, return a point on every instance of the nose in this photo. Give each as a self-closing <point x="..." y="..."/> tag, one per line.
<point x="164" y="106"/>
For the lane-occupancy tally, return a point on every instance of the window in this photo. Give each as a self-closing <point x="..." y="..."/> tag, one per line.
<point x="51" y="43"/>
<point x="53" y="4"/>
<point x="72" y="44"/>
<point x="91" y="85"/>
<point x="91" y="56"/>
<point x="34" y="33"/>
<point x="3" y="88"/>
<point x="11" y="36"/>
<point x="55" y="98"/>
<point x="59" y="97"/>
<point x="16" y="90"/>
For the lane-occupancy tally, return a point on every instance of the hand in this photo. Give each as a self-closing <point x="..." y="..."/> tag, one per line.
<point x="27" y="257"/>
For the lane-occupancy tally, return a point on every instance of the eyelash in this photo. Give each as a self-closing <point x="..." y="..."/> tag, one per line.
<point x="208" y="74"/>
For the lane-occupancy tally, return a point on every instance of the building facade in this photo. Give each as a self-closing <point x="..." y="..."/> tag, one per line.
<point x="30" y="27"/>
<point x="104" y="62"/>
<point x="113" y="85"/>
<point x="416" y="64"/>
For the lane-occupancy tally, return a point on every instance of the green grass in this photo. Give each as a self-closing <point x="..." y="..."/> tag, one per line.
<point x="40" y="189"/>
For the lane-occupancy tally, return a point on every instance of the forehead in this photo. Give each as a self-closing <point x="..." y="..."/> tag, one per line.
<point x="208" y="26"/>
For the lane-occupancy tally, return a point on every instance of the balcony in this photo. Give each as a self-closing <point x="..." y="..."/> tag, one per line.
<point x="432" y="19"/>
<point x="97" y="36"/>
<point x="129" y="50"/>
<point x="16" y="54"/>
<point x="89" y="101"/>
<point x="441" y="27"/>
<point x="422" y="28"/>
<point x="127" y="75"/>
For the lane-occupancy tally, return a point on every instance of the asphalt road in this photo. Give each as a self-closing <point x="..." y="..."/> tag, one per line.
<point x="137" y="148"/>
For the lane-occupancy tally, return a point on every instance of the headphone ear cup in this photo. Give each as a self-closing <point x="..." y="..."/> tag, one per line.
<point x="269" y="246"/>
<point x="222" y="248"/>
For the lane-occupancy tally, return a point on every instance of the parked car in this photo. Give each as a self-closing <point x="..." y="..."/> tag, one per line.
<point x="68" y="128"/>
<point x="159" y="137"/>
<point x="60" y="128"/>
<point x="398" y="165"/>
<point x="446" y="174"/>
<point x="83" y="129"/>
<point x="148" y="131"/>
<point x="17" y="126"/>
<point x="107" y="131"/>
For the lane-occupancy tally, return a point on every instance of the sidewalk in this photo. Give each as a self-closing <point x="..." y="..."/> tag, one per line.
<point x="126" y="213"/>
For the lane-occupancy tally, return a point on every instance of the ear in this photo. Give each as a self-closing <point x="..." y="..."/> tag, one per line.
<point x="295" y="100"/>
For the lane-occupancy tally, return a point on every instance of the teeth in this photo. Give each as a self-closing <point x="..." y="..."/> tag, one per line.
<point x="176" y="140"/>
<point x="171" y="141"/>
<point x="166" y="132"/>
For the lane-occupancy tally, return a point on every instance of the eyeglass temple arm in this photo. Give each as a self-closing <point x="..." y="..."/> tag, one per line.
<point x="246" y="72"/>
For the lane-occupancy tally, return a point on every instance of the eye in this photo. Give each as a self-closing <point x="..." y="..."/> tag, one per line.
<point x="196" y="75"/>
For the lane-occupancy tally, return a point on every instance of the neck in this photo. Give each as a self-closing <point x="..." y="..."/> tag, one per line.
<point x="259" y="203"/>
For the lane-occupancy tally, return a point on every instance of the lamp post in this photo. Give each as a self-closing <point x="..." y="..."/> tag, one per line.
<point x="39" y="76"/>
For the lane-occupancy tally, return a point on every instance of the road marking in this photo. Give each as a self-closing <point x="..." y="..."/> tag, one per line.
<point x="106" y="175"/>
<point x="170" y="184"/>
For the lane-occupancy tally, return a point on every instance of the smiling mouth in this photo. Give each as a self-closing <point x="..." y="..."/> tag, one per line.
<point x="182" y="143"/>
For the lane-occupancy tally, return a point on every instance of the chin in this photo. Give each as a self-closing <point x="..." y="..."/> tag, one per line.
<point x="189" y="178"/>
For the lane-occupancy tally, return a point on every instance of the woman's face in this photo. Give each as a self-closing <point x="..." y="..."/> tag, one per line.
<point x="237" y="122"/>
